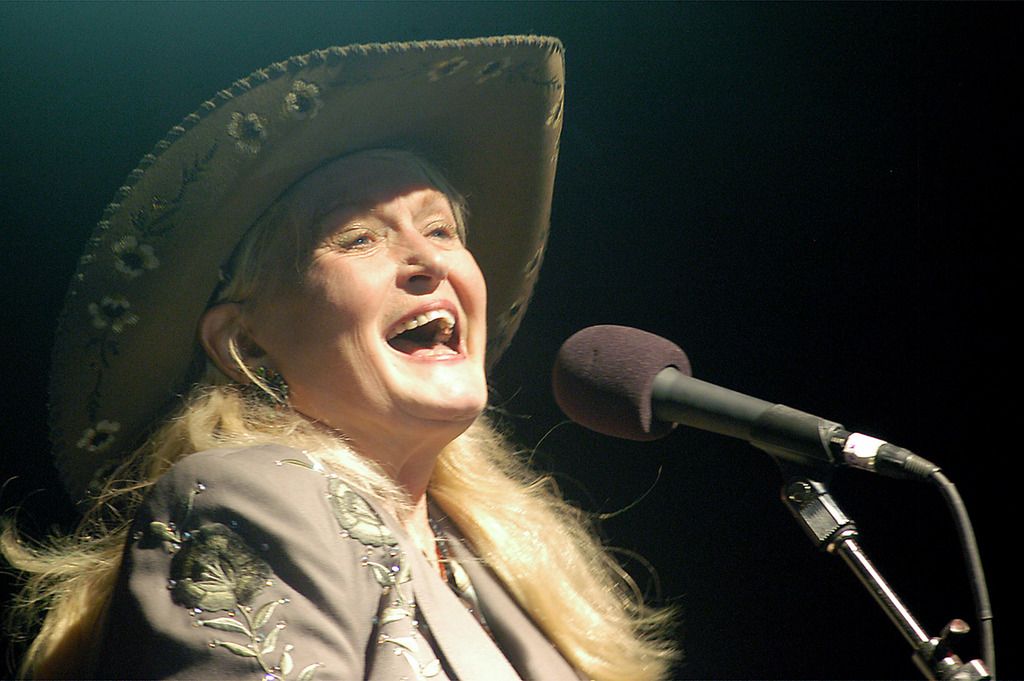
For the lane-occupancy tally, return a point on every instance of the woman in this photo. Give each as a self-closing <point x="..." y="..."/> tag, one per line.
<point x="327" y="499"/>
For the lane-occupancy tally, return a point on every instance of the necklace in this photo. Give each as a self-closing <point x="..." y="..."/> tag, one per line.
<point x="441" y="551"/>
<point x="456" y="578"/>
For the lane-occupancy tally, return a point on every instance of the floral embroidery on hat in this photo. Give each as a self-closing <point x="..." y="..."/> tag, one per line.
<point x="99" y="437"/>
<point x="492" y="69"/>
<point x="303" y="101"/>
<point x="248" y="130"/>
<point x="133" y="258"/>
<point x="112" y="312"/>
<point x="134" y="255"/>
<point x="443" y="69"/>
<point x="103" y="472"/>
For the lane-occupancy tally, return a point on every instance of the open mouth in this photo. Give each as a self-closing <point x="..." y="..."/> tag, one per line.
<point x="430" y="334"/>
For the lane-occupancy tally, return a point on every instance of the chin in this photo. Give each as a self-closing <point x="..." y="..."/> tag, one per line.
<point x="456" y="409"/>
<point x="444" y="391"/>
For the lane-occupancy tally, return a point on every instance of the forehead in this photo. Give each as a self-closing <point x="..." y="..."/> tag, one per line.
<point x="360" y="181"/>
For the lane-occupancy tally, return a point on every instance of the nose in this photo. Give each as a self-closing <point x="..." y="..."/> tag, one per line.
<point x="423" y="265"/>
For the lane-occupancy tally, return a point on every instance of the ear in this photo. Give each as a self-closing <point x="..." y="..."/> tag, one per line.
<point x="218" y="328"/>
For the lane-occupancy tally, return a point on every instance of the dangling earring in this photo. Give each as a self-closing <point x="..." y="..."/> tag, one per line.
<point x="268" y="386"/>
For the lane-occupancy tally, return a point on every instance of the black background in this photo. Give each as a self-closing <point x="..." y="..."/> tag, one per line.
<point x="816" y="201"/>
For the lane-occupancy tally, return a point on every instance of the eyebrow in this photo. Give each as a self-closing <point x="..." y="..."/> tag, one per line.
<point x="439" y="198"/>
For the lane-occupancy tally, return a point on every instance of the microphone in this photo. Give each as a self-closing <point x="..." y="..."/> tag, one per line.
<point x="632" y="384"/>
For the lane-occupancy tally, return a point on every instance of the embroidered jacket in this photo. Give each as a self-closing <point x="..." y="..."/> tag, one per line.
<point x="253" y="564"/>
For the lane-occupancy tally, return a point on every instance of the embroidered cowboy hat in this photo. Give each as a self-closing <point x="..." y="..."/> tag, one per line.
<point x="487" y="112"/>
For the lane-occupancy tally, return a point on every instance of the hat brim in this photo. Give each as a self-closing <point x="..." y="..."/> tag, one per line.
<point x="486" y="111"/>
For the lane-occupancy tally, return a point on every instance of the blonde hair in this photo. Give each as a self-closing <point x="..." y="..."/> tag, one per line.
<point x="543" y="549"/>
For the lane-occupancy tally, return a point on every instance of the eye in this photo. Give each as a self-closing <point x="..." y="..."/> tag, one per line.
<point x="443" y="230"/>
<point x="354" y="239"/>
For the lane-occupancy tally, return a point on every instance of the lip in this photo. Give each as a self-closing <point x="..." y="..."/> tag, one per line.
<point x="457" y="343"/>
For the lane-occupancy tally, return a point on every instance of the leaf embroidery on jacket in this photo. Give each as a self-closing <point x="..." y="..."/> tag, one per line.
<point x="356" y="517"/>
<point x="387" y="563"/>
<point x="213" y="569"/>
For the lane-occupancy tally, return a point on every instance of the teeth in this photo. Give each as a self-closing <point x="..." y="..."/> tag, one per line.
<point x="447" y="318"/>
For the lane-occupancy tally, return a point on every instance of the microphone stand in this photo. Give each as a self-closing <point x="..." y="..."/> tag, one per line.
<point x="809" y="501"/>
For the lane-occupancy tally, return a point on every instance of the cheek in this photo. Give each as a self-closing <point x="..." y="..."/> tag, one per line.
<point x="346" y="292"/>
<point x="304" y="321"/>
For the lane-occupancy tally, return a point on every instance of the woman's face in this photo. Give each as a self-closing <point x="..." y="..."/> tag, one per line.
<point x="385" y="330"/>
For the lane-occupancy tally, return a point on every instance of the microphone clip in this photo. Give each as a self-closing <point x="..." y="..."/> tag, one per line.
<point x="831" y="530"/>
